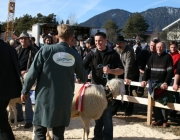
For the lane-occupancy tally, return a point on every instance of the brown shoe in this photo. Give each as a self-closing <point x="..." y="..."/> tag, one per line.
<point x="157" y="123"/>
<point x="165" y="124"/>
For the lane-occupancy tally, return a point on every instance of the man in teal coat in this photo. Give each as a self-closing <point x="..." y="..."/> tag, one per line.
<point x="54" y="67"/>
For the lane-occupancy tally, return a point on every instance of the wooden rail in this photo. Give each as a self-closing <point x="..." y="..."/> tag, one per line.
<point x="147" y="101"/>
<point x="150" y="102"/>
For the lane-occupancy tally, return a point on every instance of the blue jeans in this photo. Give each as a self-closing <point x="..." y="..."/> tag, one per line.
<point x="28" y="111"/>
<point x="104" y="126"/>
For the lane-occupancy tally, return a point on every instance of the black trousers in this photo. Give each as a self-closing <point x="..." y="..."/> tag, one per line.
<point x="5" y="129"/>
<point x="40" y="132"/>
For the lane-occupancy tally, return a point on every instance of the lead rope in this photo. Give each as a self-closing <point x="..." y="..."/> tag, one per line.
<point x="104" y="75"/>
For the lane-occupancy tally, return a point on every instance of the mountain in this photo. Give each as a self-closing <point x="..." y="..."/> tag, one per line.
<point x="157" y="18"/>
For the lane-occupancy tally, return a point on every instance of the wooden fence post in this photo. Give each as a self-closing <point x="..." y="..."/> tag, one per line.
<point x="149" y="109"/>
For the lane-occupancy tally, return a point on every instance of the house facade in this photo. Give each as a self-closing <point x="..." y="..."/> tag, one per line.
<point x="173" y="31"/>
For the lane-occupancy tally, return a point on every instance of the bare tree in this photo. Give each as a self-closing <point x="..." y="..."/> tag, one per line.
<point x="72" y="19"/>
<point x="155" y="33"/>
<point x="58" y="19"/>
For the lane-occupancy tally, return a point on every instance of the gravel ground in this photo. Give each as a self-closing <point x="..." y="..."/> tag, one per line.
<point x="125" y="128"/>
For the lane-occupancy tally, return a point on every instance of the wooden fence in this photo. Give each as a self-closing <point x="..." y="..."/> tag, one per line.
<point x="150" y="102"/>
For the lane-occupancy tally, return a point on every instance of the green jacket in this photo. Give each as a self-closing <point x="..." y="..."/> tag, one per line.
<point x="54" y="67"/>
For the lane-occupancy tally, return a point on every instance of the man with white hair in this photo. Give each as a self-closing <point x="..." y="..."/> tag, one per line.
<point x="159" y="72"/>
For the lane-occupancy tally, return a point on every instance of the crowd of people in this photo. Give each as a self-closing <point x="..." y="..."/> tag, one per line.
<point x="91" y="60"/>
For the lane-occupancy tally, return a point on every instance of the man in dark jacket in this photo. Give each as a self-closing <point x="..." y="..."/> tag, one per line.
<point x="10" y="85"/>
<point x="105" y="64"/>
<point x="54" y="67"/>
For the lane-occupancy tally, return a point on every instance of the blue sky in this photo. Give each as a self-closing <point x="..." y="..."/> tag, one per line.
<point x="81" y="10"/>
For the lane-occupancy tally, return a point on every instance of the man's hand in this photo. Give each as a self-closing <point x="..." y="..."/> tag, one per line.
<point x="141" y="71"/>
<point x="143" y="84"/>
<point x="78" y="81"/>
<point x="89" y="76"/>
<point x="164" y="86"/>
<point x="175" y="87"/>
<point x="24" y="97"/>
<point x="106" y="70"/>
<point x="23" y="72"/>
<point x="127" y="81"/>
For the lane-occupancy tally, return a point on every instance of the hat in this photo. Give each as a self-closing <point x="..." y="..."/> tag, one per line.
<point x="80" y="38"/>
<point x="119" y="39"/>
<point x="89" y="40"/>
<point x="24" y="34"/>
<point x="1" y="31"/>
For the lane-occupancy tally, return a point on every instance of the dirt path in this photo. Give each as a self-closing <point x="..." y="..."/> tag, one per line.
<point x="123" y="130"/>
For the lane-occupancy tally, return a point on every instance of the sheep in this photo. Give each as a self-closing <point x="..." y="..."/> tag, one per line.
<point x="95" y="102"/>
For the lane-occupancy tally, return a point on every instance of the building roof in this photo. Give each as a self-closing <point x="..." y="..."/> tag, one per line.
<point x="170" y="25"/>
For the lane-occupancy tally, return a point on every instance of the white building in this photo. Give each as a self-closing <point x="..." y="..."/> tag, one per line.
<point x="173" y="30"/>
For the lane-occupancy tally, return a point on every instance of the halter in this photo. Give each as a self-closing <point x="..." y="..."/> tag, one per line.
<point x="108" y="92"/>
<point x="101" y="66"/>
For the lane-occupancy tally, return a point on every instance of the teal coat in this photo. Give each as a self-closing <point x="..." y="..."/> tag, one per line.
<point x="54" y="67"/>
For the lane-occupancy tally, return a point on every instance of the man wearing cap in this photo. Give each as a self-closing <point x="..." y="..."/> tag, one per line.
<point x="10" y="85"/>
<point x="104" y="61"/>
<point x="26" y="54"/>
<point x="54" y="67"/>
<point x="82" y="47"/>
<point x="131" y="73"/>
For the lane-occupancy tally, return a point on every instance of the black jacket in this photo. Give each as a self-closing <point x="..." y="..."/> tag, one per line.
<point x="10" y="84"/>
<point x="31" y="56"/>
<point x="159" y="68"/>
<point x="143" y="58"/>
<point x="111" y="58"/>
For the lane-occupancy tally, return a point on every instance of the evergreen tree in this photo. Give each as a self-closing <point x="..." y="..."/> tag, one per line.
<point x="67" y="21"/>
<point x="135" y="26"/>
<point x="111" y="30"/>
<point x="62" y="22"/>
<point x="25" y="23"/>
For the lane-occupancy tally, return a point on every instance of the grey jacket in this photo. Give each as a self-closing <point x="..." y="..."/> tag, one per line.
<point x="127" y="57"/>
